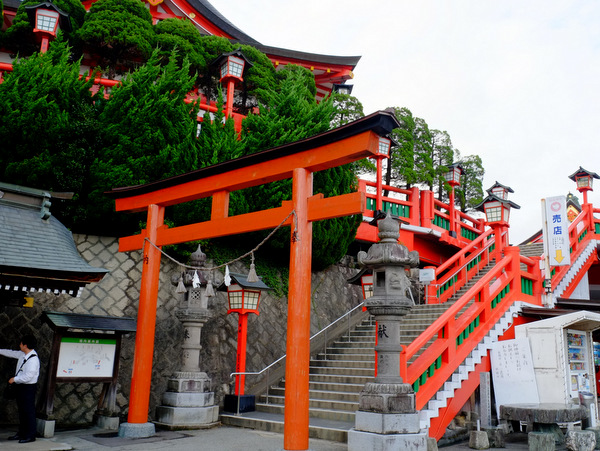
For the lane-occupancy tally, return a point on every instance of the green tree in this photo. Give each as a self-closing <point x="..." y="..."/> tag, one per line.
<point x="290" y="113"/>
<point x="347" y="109"/>
<point x="119" y="33"/>
<point x="400" y="168"/>
<point x="149" y="131"/>
<point x="183" y="36"/>
<point x="470" y="191"/>
<point x="49" y="129"/>
<point x="442" y="154"/>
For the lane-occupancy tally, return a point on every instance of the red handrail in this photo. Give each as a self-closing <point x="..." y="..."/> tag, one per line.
<point x="456" y="334"/>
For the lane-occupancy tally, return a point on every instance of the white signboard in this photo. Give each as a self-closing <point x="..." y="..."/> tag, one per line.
<point x="556" y="231"/>
<point x="513" y="373"/>
<point x="86" y="357"/>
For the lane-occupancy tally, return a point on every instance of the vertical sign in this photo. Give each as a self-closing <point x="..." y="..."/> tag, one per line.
<point x="556" y="231"/>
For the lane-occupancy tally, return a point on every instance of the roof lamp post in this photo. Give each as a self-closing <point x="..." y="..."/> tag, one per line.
<point x="584" y="180"/>
<point x="497" y="214"/>
<point x="243" y="298"/>
<point x="452" y="177"/>
<point x="231" y="69"/>
<point x="48" y="20"/>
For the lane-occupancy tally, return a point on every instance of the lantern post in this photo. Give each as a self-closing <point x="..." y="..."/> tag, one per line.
<point x="452" y="177"/>
<point x="48" y="19"/>
<point x="243" y="298"/>
<point x="584" y="180"/>
<point x="497" y="213"/>
<point x="232" y="67"/>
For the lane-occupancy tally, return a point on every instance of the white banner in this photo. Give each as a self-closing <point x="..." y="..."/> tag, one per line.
<point x="556" y="231"/>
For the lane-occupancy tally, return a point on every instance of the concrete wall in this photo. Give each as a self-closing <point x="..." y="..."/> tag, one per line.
<point x="118" y="295"/>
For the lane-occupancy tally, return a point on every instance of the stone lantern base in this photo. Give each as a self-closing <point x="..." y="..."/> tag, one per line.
<point x="188" y="404"/>
<point x="361" y="440"/>
<point x="387" y="420"/>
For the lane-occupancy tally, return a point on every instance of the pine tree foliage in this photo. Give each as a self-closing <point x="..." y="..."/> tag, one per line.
<point x="442" y="155"/>
<point x="149" y="131"/>
<point x="470" y="192"/>
<point x="119" y="32"/>
<point x="290" y="113"/>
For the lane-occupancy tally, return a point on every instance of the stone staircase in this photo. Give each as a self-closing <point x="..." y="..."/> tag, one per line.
<point x="337" y="376"/>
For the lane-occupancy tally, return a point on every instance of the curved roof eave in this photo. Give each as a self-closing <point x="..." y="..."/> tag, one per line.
<point x="210" y="12"/>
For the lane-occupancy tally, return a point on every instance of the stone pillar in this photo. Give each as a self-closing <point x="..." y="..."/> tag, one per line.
<point x="387" y="418"/>
<point x="188" y="402"/>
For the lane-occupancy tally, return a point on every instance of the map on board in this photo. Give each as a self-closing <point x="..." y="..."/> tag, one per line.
<point x="86" y="357"/>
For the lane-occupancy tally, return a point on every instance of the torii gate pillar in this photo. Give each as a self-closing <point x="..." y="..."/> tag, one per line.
<point x="298" y="160"/>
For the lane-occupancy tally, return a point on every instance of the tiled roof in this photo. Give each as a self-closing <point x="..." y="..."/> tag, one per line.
<point x="33" y="243"/>
<point x="90" y="322"/>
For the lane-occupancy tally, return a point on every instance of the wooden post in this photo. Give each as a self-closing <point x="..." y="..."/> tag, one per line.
<point x="139" y="398"/>
<point x="298" y="336"/>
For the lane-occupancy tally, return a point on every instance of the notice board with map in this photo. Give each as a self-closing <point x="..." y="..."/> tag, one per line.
<point x="86" y="357"/>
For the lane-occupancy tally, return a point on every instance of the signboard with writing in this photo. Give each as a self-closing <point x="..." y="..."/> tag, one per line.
<point x="86" y="357"/>
<point x="513" y="374"/>
<point x="556" y="231"/>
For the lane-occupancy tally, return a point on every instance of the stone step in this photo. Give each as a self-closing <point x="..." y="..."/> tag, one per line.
<point x="339" y="379"/>
<point x="347" y="356"/>
<point x="332" y="430"/>
<point x="342" y="370"/>
<point x="324" y="414"/>
<point x="316" y="394"/>
<point x="318" y="403"/>
<point x="343" y="363"/>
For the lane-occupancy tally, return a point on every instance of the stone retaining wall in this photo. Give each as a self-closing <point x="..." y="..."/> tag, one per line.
<point x="118" y="295"/>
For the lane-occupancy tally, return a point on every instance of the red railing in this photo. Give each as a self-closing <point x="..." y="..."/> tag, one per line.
<point x="584" y="228"/>
<point x="452" y="275"/>
<point x="456" y="334"/>
<point x="420" y="208"/>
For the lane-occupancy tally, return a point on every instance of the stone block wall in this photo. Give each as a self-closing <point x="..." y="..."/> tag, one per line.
<point x="118" y="295"/>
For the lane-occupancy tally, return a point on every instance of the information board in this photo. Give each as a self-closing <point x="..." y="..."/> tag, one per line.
<point x="513" y="374"/>
<point x="86" y="357"/>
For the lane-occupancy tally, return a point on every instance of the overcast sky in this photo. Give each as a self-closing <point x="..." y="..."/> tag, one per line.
<point x="517" y="83"/>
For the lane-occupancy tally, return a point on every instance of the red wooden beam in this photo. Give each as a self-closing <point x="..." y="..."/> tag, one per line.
<point x="327" y="156"/>
<point x="319" y="208"/>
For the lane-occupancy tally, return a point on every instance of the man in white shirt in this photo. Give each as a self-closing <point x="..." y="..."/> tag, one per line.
<point x="25" y="380"/>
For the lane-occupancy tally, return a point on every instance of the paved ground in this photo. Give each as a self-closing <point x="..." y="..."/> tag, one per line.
<point x="224" y="438"/>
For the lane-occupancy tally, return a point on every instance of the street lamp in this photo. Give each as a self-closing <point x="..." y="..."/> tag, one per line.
<point x="584" y="180"/>
<point x="497" y="214"/>
<point x="232" y="67"/>
<point x="452" y="177"/>
<point x="48" y="20"/>
<point x="243" y="299"/>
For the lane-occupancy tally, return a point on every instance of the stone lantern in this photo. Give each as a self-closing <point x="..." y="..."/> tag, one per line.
<point x="387" y="418"/>
<point x="188" y="401"/>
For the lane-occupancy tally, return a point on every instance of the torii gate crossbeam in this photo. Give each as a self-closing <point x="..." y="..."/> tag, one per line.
<point x="354" y="141"/>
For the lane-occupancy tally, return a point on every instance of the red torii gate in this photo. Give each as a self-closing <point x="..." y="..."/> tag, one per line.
<point x="297" y="160"/>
